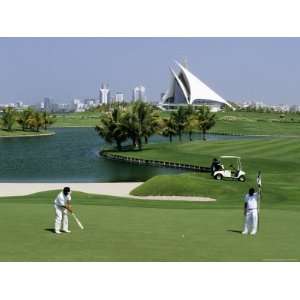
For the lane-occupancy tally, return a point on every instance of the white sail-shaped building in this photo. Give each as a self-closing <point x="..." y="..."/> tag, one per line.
<point x="187" y="89"/>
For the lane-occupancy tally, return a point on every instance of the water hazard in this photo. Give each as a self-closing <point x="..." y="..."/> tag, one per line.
<point x="69" y="156"/>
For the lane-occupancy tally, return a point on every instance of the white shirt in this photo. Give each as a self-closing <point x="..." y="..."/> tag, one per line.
<point x="61" y="199"/>
<point x="251" y="201"/>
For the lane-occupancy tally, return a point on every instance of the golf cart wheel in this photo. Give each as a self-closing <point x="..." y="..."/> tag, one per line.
<point x="219" y="177"/>
<point x="242" y="178"/>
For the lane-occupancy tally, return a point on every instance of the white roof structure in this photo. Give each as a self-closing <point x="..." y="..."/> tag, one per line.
<point x="185" y="88"/>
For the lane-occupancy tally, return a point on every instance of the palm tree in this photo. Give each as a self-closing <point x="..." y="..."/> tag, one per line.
<point x="8" y="118"/>
<point x="148" y="120"/>
<point x="180" y="117"/>
<point x="47" y="119"/>
<point x="206" y="119"/>
<point x="35" y="121"/>
<point x="152" y="125"/>
<point x="131" y="126"/>
<point x="23" y="118"/>
<point x="190" y="125"/>
<point x="110" y="128"/>
<point x="169" y="128"/>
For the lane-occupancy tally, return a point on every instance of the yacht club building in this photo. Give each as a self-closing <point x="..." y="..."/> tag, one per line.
<point x="187" y="89"/>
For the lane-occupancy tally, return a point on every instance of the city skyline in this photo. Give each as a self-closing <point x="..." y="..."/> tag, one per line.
<point x="240" y="69"/>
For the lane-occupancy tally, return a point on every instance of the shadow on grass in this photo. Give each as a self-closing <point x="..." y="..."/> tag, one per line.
<point x="234" y="231"/>
<point x="50" y="230"/>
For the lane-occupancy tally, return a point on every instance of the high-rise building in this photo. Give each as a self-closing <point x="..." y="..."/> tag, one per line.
<point x="46" y="105"/>
<point x="77" y="105"/>
<point x="104" y="94"/>
<point x="119" y="97"/>
<point x="139" y="93"/>
<point x="19" y="104"/>
<point x="89" y="102"/>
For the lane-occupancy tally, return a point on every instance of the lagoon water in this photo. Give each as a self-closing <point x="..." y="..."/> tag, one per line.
<point x="69" y="156"/>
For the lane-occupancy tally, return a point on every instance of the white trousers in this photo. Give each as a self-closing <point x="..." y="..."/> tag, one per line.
<point x="251" y="221"/>
<point x="61" y="219"/>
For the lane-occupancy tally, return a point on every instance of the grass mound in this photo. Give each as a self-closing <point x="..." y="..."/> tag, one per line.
<point x="187" y="185"/>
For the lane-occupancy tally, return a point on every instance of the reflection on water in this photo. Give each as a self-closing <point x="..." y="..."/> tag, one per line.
<point x="69" y="156"/>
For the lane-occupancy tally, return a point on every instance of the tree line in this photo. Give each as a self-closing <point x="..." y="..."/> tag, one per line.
<point x="138" y="121"/>
<point x="28" y="119"/>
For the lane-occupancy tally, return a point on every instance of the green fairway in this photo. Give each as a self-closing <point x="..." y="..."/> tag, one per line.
<point x="80" y="119"/>
<point x="272" y="156"/>
<point x="232" y="122"/>
<point x="135" y="230"/>
<point x="256" y="123"/>
<point x="278" y="159"/>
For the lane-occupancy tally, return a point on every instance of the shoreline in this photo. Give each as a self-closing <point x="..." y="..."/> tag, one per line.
<point x="115" y="189"/>
<point x="28" y="135"/>
<point x="214" y="133"/>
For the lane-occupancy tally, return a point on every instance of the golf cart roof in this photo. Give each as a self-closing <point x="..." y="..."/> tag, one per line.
<point x="228" y="156"/>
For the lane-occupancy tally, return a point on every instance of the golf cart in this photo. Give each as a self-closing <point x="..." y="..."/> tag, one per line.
<point x="232" y="169"/>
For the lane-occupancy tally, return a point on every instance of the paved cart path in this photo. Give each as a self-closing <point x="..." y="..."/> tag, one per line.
<point x="118" y="189"/>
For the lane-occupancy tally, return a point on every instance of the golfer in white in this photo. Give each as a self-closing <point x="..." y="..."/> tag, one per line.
<point x="62" y="204"/>
<point x="250" y="212"/>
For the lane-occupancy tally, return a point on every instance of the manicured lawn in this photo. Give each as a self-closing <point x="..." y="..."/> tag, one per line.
<point x="227" y="122"/>
<point x="84" y="119"/>
<point x="135" y="230"/>
<point x="255" y="123"/>
<point x="269" y="155"/>
<point x="278" y="159"/>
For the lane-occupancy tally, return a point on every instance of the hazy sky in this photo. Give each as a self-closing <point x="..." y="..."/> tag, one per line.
<point x="261" y="69"/>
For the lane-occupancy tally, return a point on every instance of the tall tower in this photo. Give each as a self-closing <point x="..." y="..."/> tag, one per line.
<point x="139" y="93"/>
<point x="104" y="94"/>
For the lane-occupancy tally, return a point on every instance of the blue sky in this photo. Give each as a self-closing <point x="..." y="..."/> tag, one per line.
<point x="261" y="69"/>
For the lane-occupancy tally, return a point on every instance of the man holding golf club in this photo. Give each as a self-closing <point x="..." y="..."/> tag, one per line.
<point x="251" y="212"/>
<point x="62" y="205"/>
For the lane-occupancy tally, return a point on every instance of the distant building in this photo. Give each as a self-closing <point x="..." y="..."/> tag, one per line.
<point x="46" y="105"/>
<point x="63" y="107"/>
<point x="19" y="104"/>
<point x="119" y="97"/>
<point x="89" y="102"/>
<point x="77" y="105"/>
<point x="187" y="89"/>
<point x="139" y="93"/>
<point x="295" y="108"/>
<point x="281" y="108"/>
<point x="260" y="104"/>
<point x="104" y="94"/>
